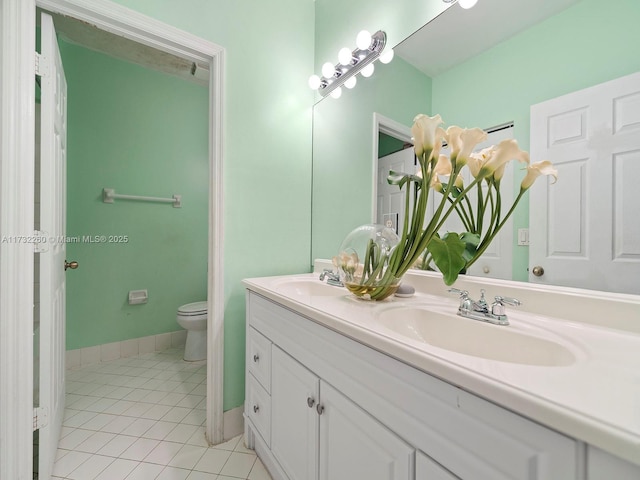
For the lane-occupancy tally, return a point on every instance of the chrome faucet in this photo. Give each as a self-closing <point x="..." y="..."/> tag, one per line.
<point x="480" y="310"/>
<point x="333" y="278"/>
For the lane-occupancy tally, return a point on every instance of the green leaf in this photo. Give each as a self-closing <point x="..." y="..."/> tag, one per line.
<point x="471" y="242"/>
<point x="448" y="256"/>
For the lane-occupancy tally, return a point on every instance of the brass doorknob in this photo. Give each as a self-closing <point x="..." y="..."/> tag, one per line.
<point x="71" y="265"/>
<point x="538" y="271"/>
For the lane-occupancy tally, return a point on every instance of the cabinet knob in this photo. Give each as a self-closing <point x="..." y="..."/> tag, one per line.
<point x="256" y="358"/>
<point x="311" y="402"/>
<point x="256" y="408"/>
<point x="319" y="409"/>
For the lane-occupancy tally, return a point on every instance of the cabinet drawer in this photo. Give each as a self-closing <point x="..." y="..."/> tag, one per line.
<point x="259" y="357"/>
<point x="258" y="407"/>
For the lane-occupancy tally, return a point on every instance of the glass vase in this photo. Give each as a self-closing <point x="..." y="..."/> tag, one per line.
<point x="363" y="262"/>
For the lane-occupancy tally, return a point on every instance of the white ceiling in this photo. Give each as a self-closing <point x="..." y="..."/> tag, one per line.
<point x="457" y="34"/>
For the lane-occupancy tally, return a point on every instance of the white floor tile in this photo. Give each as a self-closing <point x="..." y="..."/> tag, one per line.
<point x="163" y="453"/>
<point x="138" y="427"/>
<point x="156" y="412"/>
<point x="176" y="414"/>
<point x="145" y="471"/>
<point x="172" y="473"/>
<point x="259" y="472"/>
<point x="118" y="470"/>
<point x="161" y="430"/>
<point x="195" y="417"/>
<point x="98" y="422"/>
<point x="95" y="442"/>
<point x="91" y="468"/>
<point x="69" y="463"/>
<point x="117" y="425"/>
<point x="75" y="438"/>
<point x="212" y="461"/>
<point x="181" y="433"/>
<point x="117" y="445"/>
<point x="140" y="449"/>
<point x="238" y="465"/>
<point x="78" y="419"/>
<point x="229" y="444"/>
<point x="203" y="476"/>
<point x="187" y="456"/>
<point x="119" y="407"/>
<point x="198" y="438"/>
<point x="114" y="429"/>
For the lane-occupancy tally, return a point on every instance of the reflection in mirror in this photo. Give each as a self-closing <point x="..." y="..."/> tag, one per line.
<point x="507" y="74"/>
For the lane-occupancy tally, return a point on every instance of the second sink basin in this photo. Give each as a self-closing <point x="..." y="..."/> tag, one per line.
<point x="471" y="337"/>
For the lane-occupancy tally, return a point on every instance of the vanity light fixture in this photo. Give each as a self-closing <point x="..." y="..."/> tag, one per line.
<point x="466" y="4"/>
<point x="368" y="49"/>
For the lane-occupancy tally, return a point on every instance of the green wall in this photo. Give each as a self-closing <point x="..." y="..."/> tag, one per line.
<point x="266" y="141"/>
<point x="140" y="132"/>
<point x="388" y="145"/>
<point x="586" y="44"/>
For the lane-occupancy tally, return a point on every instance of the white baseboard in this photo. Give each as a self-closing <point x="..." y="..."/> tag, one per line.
<point x="233" y="423"/>
<point x="127" y="348"/>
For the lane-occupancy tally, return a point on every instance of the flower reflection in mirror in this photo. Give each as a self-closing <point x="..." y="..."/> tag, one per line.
<point x="454" y="252"/>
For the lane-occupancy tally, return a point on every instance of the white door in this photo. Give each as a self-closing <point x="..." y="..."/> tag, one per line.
<point x="585" y="229"/>
<point x="354" y="445"/>
<point x="496" y="261"/>
<point x="294" y="418"/>
<point x="390" y="199"/>
<point x="53" y="170"/>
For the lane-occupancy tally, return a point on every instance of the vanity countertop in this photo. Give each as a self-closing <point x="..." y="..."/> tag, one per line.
<point x="595" y="398"/>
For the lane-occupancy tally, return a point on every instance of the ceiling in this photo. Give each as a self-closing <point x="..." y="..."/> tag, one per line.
<point x="456" y="34"/>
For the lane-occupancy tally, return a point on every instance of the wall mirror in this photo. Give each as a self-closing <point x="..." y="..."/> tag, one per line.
<point x="480" y="67"/>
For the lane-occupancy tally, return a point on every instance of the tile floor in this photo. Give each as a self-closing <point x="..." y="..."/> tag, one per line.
<point x="141" y="418"/>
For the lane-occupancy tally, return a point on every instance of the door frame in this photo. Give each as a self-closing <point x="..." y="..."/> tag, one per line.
<point x="17" y="134"/>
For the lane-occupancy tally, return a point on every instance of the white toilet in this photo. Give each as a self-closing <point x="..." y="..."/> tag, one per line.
<point x="193" y="318"/>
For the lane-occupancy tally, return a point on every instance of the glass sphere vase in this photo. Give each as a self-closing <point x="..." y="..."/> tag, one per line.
<point x="363" y="262"/>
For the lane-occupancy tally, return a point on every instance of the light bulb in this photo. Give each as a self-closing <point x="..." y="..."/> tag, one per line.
<point x="363" y="40"/>
<point x="328" y="70"/>
<point x="336" y="93"/>
<point x="350" y="82"/>
<point x="314" y="82"/>
<point x="344" y="56"/>
<point x="368" y="70"/>
<point x="387" y="56"/>
<point x="467" y="3"/>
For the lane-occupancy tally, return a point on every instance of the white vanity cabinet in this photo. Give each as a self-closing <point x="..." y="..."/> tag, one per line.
<point x="340" y="410"/>
<point x="319" y="433"/>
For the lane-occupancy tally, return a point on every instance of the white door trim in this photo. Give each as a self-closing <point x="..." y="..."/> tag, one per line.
<point x="386" y="125"/>
<point x="17" y="136"/>
<point x="17" y="18"/>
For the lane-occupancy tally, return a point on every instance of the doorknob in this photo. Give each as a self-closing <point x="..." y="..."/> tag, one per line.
<point x="71" y="265"/>
<point x="538" y="271"/>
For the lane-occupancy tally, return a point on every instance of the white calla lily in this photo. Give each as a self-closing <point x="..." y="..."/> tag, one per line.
<point x="534" y="170"/>
<point x="505" y="151"/>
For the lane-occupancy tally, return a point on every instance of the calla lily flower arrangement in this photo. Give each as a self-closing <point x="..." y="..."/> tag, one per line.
<point x="420" y="242"/>
<point x="456" y="252"/>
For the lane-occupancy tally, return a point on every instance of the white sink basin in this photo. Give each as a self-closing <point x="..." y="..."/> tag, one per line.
<point x="472" y="337"/>
<point x="308" y="287"/>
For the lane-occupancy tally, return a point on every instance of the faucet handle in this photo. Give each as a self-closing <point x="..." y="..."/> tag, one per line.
<point x="497" y="308"/>
<point x="508" y="300"/>
<point x="463" y="293"/>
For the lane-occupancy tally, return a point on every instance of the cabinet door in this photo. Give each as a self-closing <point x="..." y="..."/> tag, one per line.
<point x="427" y="469"/>
<point x="294" y="419"/>
<point x="353" y="445"/>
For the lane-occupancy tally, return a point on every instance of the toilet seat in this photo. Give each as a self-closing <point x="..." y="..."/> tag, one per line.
<point x="193" y="309"/>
